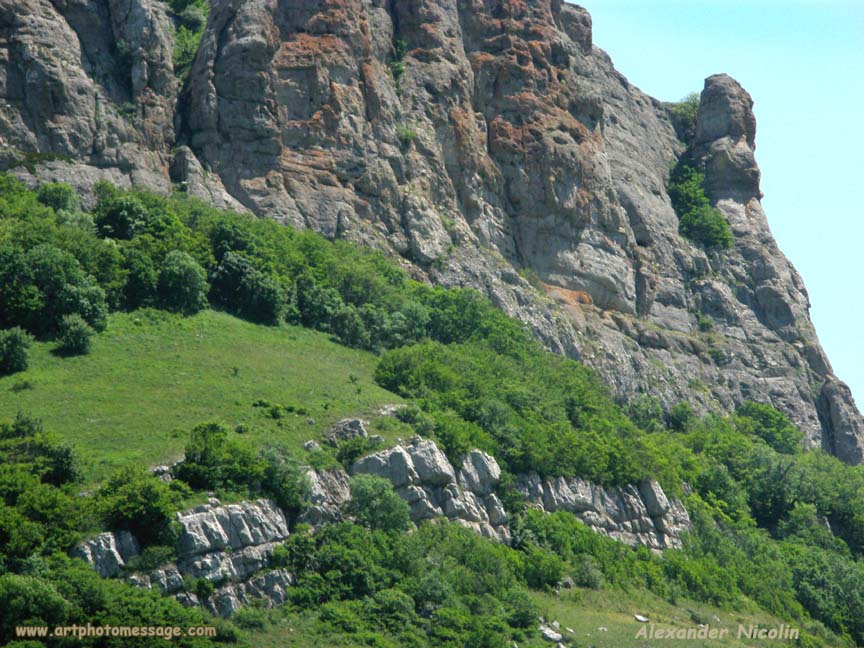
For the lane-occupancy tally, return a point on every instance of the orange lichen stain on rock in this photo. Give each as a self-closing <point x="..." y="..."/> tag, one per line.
<point x="303" y="49"/>
<point x="568" y="297"/>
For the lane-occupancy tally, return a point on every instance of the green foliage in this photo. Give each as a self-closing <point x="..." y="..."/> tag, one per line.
<point x="684" y="115"/>
<point x="192" y="16"/>
<point x="375" y="505"/>
<point x="139" y="502"/>
<point x="182" y="284"/>
<point x="770" y="425"/>
<point x="698" y="220"/>
<point x="14" y="348"/>
<point x="246" y="291"/>
<point x="707" y="227"/>
<point x="284" y="479"/>
<point x="213" y="461"/>
<point x="405" y="134"/>
<point x="58" y="196"/>
<point x="534" y="412"/>
<point x="441" y="585"/>
<point x="40" y="285"/>
<point x="75" y="336"/>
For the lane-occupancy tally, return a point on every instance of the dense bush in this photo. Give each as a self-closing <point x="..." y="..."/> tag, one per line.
<point x="14" y="350"/>
<point x="58" y="196"/>
<point x="684" y="115"/>
<point x="375" y="505"/>
<point x="75" y="336"/>
<point x="533" y="411"/>
<point x="244" y="290"/>
<point x="135" y="500"/>
<point x="698" y="220"/>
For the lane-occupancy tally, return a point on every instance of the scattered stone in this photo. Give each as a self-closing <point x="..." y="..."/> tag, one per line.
<point x="640" y="618"/>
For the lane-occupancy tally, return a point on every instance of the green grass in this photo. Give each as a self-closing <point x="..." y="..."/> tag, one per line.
<point x="152" y="376"/>
<point x="586" y="611"/>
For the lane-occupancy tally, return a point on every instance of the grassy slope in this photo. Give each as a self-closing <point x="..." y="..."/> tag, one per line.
<point x="152" y="376"/>
<point x="586" y="611"/>
<point x="583" y="611"/>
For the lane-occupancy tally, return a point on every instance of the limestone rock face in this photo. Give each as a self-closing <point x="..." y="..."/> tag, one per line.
<point x="635" y="514"/>
<point x="108" y="552"/>
<point x="90" y="84"/>
<point x="212" y="528"/>
<point x="328" y="492"/>
<point x="423" y="476"/>
<point x="473" y="140"/>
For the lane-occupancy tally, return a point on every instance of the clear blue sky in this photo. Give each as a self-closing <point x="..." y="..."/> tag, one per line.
<point x="803" y="63"/>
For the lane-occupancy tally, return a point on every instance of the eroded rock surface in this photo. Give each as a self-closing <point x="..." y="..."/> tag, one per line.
<point x="635" y="514"/>
<point x="423" y="477"/>
<point x="108" y="552"/>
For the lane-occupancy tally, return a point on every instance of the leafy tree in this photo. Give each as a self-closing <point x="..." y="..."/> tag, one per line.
<point x="770" y="425"/>
<point x="182" y="285"/>
<point x="375" y="505"/>
<point x="14" y="350"/>
<point x="238" y="286"/>
<point x="120" y="215"/>
<point x="213" y="461"/>
<point x="41" y="285"/>
<point x="139" y="288"/>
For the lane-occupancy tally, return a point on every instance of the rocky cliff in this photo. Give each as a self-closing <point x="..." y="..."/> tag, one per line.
<point x="488" y="144"/>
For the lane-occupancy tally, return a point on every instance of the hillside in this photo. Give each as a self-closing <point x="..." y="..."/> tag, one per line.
<point x="366" y="323"/>
<point x="153" y="376"/>
<point x="486" y="144"/>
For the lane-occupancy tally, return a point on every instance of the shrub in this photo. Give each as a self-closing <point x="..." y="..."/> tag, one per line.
<point x="405" y="134"/>
<point x="135" y="500"/>
<point x="139" y="288"/>
<point x="213" y="461"/>
<point x="770" y="425"/>
<point x="185" y="48"/>
<point x="684" y="115"/>
<point x="698" y="220"/>
<point x="14" y="350"/>
<point x="75" y="337"/>
<point x="119" y="215"/>
<point x="707" y="227"/>
<point x="182" y="284"/>
<point x="284" y="479"/>
<point x="375" y="505"/>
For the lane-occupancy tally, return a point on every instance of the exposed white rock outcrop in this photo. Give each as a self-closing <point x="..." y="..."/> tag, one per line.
<point x="635" y="514"/>
<point x="108" y="552"/>
<point x="422" y="475"/>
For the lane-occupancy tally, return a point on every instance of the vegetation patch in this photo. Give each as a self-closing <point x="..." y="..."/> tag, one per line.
<point x="698" y="220"/>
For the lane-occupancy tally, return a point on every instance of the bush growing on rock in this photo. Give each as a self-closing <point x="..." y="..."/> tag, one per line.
<point x="698" y="220"/>
<point x="375" y="505"/>
<point x="135" y="500"/>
